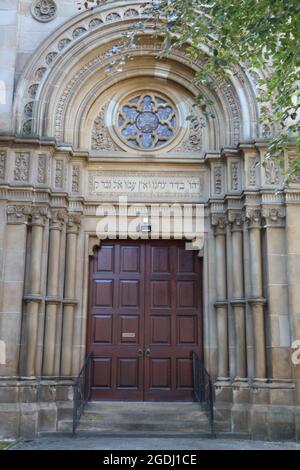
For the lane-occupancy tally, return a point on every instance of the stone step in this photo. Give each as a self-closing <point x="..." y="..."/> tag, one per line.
<point x="139" y="415"/>
<point x="65" y="427"/>
<point x="143" y="425"/>
<point x="144" y="434"/>
<point x="150" y="406"/>
<point x="157" y="418"/>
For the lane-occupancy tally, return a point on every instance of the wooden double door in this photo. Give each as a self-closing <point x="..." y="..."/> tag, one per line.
<point x="145" y="319"/>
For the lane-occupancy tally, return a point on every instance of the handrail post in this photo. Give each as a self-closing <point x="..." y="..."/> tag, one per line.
<point x="203" y="388"/>
<point x="80" y="394"/>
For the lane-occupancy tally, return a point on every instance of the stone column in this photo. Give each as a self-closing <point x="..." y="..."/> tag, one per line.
<point x="33" y="297"/>
<point x="219" y="223"/>
<point x="69" y="295"/>
<point x="238" y="301"/>
<point x="52" y="299"/>
<point x="257" y="300"/>
<point x="13" y="237"/>
<point x="279" y="329"/>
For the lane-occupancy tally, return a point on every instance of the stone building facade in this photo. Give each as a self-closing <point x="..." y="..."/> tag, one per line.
<point x="78" y="132"/>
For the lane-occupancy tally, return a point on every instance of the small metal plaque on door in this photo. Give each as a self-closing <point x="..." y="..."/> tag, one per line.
<point x="128" y="335"/>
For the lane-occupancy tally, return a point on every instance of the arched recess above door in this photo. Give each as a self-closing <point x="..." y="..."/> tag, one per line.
<point x="58" y="91"/>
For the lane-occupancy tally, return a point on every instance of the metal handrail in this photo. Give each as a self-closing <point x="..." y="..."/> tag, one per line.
<point x="82" y="390"/>
<point x="203" y="388"/>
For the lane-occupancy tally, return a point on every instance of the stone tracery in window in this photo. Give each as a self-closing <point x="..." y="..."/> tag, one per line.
<point x="147" y="121"/>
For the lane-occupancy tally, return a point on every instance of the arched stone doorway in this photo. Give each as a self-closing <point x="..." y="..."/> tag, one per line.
<point x="83" y="136"/>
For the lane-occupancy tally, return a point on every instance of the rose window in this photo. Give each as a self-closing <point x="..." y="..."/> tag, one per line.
<point x="147" y="121"/>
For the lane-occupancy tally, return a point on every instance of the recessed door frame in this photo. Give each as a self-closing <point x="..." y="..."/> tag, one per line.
<point x="145" y="360"/>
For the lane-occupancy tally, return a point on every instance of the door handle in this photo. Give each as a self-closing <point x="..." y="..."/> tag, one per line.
<point x="140" y="353"/>
<point x="147" y="352"/>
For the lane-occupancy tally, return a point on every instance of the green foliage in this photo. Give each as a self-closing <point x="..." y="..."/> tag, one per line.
<point x="222" y="34"/>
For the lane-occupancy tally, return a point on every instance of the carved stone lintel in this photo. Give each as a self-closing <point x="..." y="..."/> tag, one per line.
<point x="253" y="217"/>
<point x="73" y="223"/>
<point x="219" y="223"/>
<point x="274" y="216"/>
<point x="236" y="219"/>
<point x="17" y="215"/>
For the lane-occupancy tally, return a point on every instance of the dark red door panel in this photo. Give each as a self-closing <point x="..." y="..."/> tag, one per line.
<point x="144" y="320"/>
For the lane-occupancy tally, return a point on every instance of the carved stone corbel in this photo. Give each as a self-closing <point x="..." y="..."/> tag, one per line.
<point x="17" y="215"/>
<point x="274" y="216"/>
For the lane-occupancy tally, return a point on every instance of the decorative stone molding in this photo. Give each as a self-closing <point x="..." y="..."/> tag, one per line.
<point x="295" y="179"/>
<point x="93" y="242"/>
<point x="219" y="223"/>
<point x="253" y="217"/>
<point x="235" y="175"/>
<point x="17" y="215"/>
<point x="51" y="57"/>
<point x="21" y="172"/>
<point x="38" y="214"/>
<point x="272" y="173"/>
<point x="292" y="197"/>
<point x="44" y="10"/>
<point x="59" y="174"/>
<point x="259" y="301"/>
<point x="252" y="163"/>
<point x="227" y="91"/>
<point x="75" y="178"/>
<point x="100" y="137"/>
<point x="42" y="169"/>
<point x="274" y="216"/>
<point x="57" y="219"/>
<point x="218" y="179"/>
<point x="73" y="223"/>
<point x="236" y="220"/>
<point x="193" y="140"/>
<point x="2" y="164"/>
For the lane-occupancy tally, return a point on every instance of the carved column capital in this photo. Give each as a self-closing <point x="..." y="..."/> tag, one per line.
<point x="17" y="215"/>
<point x="39" y="214"/>
<point x="219" y="223"/>
<point x="274" y="216"/>
<point x="57" y="219"/>
<point x="253" y="217"/>
<point x="73" y="223"/>
<point x="236" y="219"/>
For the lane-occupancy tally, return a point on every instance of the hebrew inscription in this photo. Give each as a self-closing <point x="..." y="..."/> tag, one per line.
<point x="147" y="186"/>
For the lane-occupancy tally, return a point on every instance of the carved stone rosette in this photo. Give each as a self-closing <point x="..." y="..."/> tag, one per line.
<point x="44" y="10"/>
